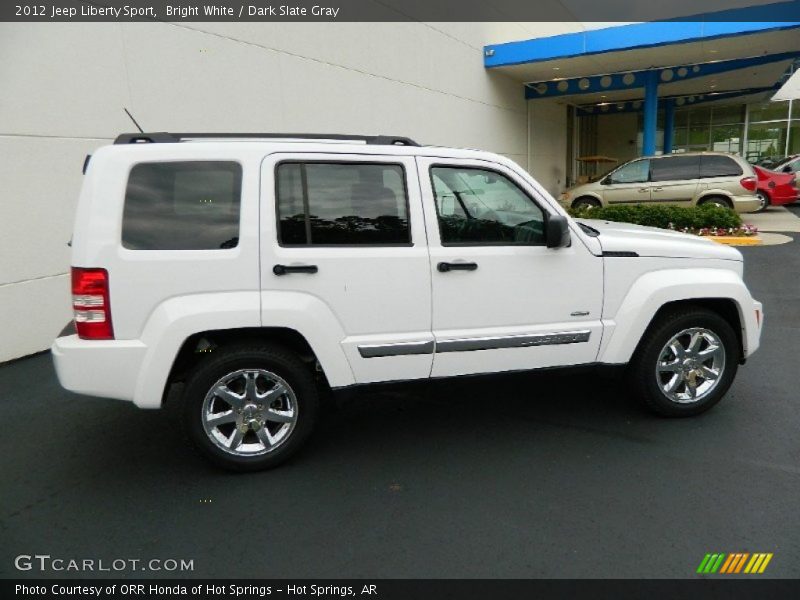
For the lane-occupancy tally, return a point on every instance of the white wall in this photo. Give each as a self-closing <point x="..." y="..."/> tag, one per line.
<point x="548" y="144"/>
<point x="64" y="86"/>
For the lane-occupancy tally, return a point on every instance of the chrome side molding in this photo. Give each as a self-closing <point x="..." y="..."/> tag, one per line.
<point x="398" y="349"/>
<point x="513" y="341"/>
<point x="471" y="344"/>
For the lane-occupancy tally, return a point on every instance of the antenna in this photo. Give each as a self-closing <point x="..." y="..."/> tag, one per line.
<point x="127" y="112"/>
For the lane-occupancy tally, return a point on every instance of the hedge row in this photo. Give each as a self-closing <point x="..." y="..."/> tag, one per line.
<point x="665" y="217"/>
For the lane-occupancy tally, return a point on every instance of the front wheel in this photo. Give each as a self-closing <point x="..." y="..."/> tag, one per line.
<point x="586" y="204"/>
<point x="248" y="408"/>
<point x="685" y="363"/>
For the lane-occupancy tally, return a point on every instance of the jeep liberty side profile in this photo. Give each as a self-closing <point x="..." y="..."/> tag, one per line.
<point x="260" y="270"/>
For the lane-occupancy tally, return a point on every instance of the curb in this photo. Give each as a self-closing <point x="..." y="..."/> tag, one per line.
<point x="733" y="240"/>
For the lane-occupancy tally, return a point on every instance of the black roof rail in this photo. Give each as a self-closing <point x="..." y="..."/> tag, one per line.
<point x="170" y="138"/>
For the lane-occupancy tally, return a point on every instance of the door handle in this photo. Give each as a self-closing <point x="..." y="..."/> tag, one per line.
<point x="658" y="189"/>
<point x="642" y="190"/>
<point x="286" y="269"/>
<point x="444" y="267"/>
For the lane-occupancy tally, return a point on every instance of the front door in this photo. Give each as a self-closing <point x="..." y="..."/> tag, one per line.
<point x="628" y="184"/>
<point x="347" y="233"/>
<point x="502" y="300"/>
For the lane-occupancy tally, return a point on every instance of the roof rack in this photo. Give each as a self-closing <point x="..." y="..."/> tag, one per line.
<point x="171" y="138"/>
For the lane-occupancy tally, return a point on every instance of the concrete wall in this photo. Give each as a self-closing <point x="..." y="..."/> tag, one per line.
<point x="64" y="86"/>
<point x="548" y="144"/>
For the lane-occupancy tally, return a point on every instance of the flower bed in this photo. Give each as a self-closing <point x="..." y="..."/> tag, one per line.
<point x="743" y="231"/>
<point x="710" y="221"/>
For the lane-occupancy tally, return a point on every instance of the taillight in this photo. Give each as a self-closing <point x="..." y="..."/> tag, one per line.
<point x="749" y="183"/>
<point x="90" y="304"/>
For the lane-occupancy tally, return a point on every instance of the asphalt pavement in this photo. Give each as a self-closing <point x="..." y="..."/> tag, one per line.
<point x="540" y="475"/>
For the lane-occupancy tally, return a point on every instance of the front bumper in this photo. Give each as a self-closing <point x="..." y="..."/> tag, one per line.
<point x="105" y="368"/>
<point x="753" y="333"/>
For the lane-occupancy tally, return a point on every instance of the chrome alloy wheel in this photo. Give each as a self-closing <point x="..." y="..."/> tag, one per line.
<point x="249" y="412"/>
<point x="690" y="365"/>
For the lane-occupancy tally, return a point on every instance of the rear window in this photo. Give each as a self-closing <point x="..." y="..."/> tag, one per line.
<point x="342" y="204"/>
<point x="674" y="168"/>
<point x="191" y="205"/>
<point x="719" y="166"/>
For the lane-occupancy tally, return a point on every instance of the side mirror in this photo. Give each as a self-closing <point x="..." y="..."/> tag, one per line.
<point x="787" y="169"/>
<point x="556" y="232"/>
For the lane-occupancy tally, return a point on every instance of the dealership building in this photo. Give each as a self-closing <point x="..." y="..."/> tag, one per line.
<point x="564" y="100"/>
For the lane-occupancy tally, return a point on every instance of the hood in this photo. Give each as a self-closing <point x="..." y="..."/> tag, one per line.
<point x="652" y="241"/>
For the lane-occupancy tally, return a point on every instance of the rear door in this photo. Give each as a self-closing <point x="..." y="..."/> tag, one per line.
<point x="674" y="179"/>
<point x="348" y="231"/>
<point x="628" y="184"/>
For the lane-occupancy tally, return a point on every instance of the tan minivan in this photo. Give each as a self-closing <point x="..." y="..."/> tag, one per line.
<point x="688" y="179"/>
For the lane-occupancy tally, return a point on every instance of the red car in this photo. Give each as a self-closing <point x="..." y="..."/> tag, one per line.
<point x="775" y="188"/>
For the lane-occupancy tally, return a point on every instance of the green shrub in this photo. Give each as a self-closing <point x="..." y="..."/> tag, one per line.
<point x="665" y="217"/>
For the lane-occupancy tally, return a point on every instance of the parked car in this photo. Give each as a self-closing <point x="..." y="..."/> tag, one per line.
<point x="261" y="273"/>
<point x="790" y="164"/>
<point x="769" y="162"/>
<point x="689" y="179"/>
<point x="775" y="188"/>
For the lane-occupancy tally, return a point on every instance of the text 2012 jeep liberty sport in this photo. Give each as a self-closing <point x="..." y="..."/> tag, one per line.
<point x="260" y="269"/>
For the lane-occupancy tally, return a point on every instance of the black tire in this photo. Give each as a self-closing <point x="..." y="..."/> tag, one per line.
<point x="716" y="201"/>
<point x="642" y="375"/>
<point x="264" y="357"/>
<point x="763" y="197"/>
<point x="586" y="203"/>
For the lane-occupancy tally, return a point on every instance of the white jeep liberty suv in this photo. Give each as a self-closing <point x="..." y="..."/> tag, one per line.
<point x="263" y="269"/>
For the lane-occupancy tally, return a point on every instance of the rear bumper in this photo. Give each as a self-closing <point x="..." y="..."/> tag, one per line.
<point x="779" y="197"/>
<point x="105" y="368"/>
<point x="745" y="204"/>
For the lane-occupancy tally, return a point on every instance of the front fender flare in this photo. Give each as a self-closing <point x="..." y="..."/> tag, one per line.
<point x="653" y="290"/>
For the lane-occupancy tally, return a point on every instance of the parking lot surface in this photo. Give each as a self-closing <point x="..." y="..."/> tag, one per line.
<point x="539" y="475"/>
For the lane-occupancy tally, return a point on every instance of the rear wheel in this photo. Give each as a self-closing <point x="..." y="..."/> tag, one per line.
<point x="763" y="199"/>
<point x="685" y="363"/>
<point x="248" y="408"/>
<point x="715" y="201"/>
<point x="585" y="204"/>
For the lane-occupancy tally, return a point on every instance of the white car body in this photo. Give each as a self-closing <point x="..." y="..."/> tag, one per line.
<point x="526" y="307"/>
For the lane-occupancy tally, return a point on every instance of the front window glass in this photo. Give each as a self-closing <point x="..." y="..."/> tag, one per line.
<point x="478" y="206"/>
<point x="634" y="172"/>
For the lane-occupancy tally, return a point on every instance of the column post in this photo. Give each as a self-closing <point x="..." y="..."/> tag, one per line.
<point x="650" y="113"/>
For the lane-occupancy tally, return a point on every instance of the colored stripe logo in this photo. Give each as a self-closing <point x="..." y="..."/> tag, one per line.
<point x="737" y="562"/>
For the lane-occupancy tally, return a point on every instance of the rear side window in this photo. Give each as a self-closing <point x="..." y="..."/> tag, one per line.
<point x="718" y="166"/>
<point x="675" y="168"/>
<point x="191" y="205"/>
<point x="341" y="204"/>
